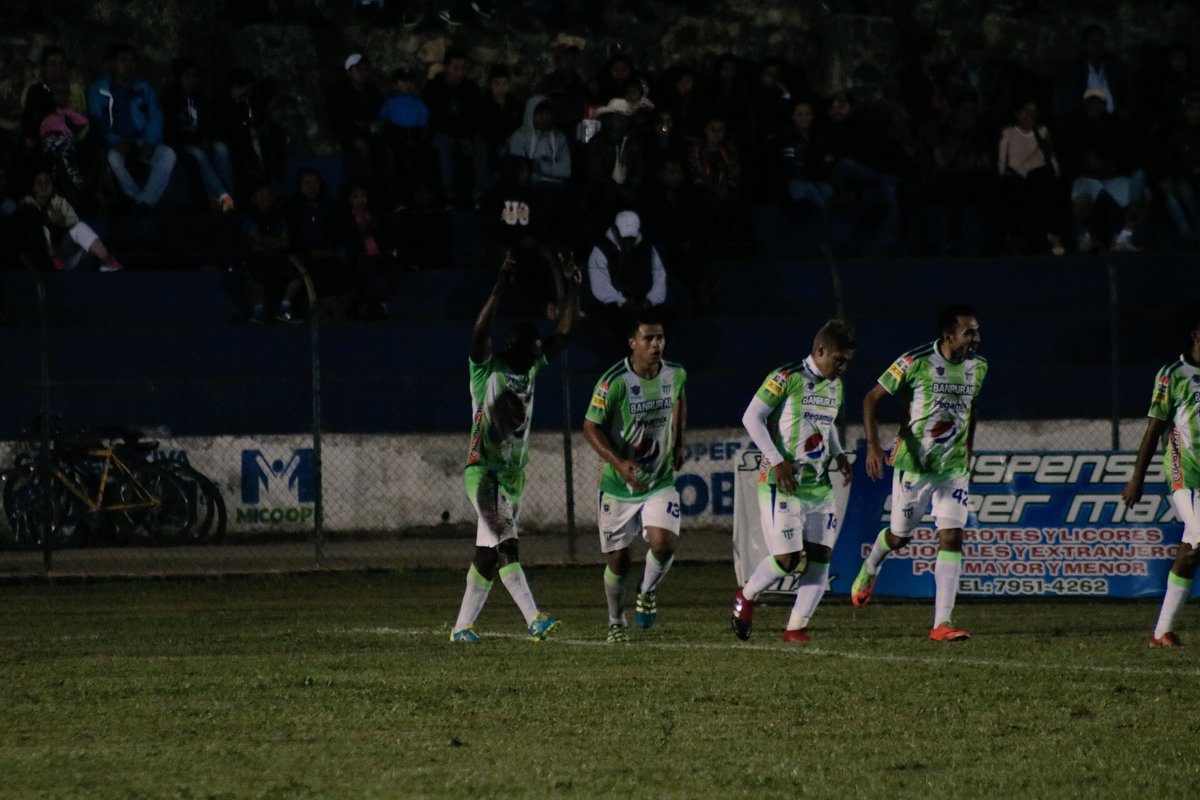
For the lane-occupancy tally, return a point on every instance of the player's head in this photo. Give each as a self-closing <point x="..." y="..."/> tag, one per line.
<point x="959" y="331"/>
<point x="522" y="346"/>
<point x="647" y="338"/>
<point x="833" y="347"/>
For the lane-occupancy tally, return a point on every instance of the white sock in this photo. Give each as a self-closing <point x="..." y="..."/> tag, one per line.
<point x="767" y="572"/>
<point x="514" y="580"/>
<point x="1178" y="590"/>
<point x="879" y="552"/>
<point x="654" y="573"/>
<point x="808" y="595"/>
<point x="474" y="596"/>
<point x="945" y="579"/>
<point x="614" y="592"/>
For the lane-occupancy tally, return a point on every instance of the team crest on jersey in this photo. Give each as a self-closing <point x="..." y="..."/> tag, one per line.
<point x="941" y="370"/>
<point x="636" y="390"/>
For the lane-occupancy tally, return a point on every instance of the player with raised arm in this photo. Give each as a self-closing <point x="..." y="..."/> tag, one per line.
<point x="1175" y="408"/>
<point x="791" y="420"/>
<point x="635" y="423"/>
<point x="932" y="456"/>
<point x="502" y="406"/>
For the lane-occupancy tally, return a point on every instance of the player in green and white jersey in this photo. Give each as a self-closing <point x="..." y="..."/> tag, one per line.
<point x="791" y="419"/>
<point x="635" y="423"/>
<point x="931" y="457"/>
<point x="1175" y="409"/>
<point x="502" y="407"/>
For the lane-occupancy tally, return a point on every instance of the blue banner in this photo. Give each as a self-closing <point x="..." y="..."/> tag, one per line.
<point x="1041" y="524"/>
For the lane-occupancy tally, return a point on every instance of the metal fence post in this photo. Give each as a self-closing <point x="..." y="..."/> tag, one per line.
<point x="568" y="458"/>
<point x="1114" y="345"/>
<point x="314" y="330"/>
<point x="44" y="438"/>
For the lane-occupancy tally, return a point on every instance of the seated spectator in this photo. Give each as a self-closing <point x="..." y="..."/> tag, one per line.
<point x="70" y="244"/>
<point x="564" y="86"/>
<point x="681" y="99"/>
<point x="189" y="130"/>
<point x="806" y="184"/>
<point x="354" y="109"/>
<point x="625" y="272"/>
<point x="1029" y="182"/>
<point x="499" y="114"/>
<point x="377" y="259"/>
<point x="273" y="270"/>
<point x="56" y="76"/>
<point x="978" y="77"/>
<point x="956" y="161"/>
<point x="615" y="166"/>
<point x="240" y="119"/>
<point x="453" y="103"/>
<point x="1097" y="151"/>
<point x="546" y="148"/>
<point x="923" y="86"/>
<point x="57" y="129"/>
<point x="729" y="98"/>
<point x="1173" y="84"/>
<point x="129" y="120"/>
<point x="406" y="128"/>
<point x="637" y="95"/>
<point x="716" y="171"/>
<point x="768" y="106"/>
<point x="322" y="234"/>
<point x="1096" y="68"/>
<point x="616" y="75"/>
<point x="1181" y="180"/>
<point x="664" y="142"/>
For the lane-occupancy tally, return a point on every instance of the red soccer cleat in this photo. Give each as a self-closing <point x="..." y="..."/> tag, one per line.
<point x="743" y="616"/>
<point x="800" y="635"/>
<point x="946" y="632"/>
<point x="1168" y="639"/>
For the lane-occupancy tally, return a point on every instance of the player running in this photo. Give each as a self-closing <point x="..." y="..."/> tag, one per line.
<point x="502" y="405"/>
<point x="635" y="423"/>
<point x="932" y="456"/>
<point x="791" y="420"/>
<point x="1175" y="407"/>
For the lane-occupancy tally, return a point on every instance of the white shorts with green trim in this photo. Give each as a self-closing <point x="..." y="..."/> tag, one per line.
<point x="621" y="521"/>
<point x="1187" y="508"/>
<point x="788" y="521"/>
<point x="496" y="497"/>
<point x="911" y="495"/>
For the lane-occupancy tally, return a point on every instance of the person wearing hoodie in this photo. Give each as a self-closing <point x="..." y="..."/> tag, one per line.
<point x="126" y="114"/>
<point x="538" y="141"/>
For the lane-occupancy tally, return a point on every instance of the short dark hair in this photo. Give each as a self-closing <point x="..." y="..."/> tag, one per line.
<point x="120" y="49"/>
<point x="52" y="50"/>
<point x="454" y="54"/>
<point x="402" y="74"/>
<point x="499" y="71"/>
<point x="643" y="316"/>
<point x="836" y="334"/>
<point x="521" y="332"/>
<point x="947" y="319"/>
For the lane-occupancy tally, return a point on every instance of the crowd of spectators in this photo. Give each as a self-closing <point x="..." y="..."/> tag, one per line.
<point x="652" y="174"/>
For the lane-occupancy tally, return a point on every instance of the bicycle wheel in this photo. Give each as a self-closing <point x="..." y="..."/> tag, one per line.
<point x="171" y="520"/>
<point x="33" y="508"/>
<point x="211" y="516"/>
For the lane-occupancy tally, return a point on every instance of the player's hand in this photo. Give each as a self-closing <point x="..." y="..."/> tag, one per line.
<point x="1133" y="491"/>
<point x="843" y="466"/>
<point x="628" y="472"/>
<point x="874" y="461"/>
<point x="785" y="477"/>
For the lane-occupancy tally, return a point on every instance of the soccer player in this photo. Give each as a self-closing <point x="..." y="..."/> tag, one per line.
<point x="791" y="420"/>
<point x="1175" y="406"/>
<point x="502" y="406"/>
<point x="932" y="456"/>
<point x="635" y="423"/>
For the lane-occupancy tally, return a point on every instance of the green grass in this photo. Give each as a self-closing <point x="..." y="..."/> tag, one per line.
<point x="345" y="686"/>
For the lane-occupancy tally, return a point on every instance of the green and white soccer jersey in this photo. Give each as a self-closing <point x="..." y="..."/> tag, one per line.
<point x="1176" y="400"/>
<point x="804" y="408"/>
<point x="639" y="415"/>
<point x="942" y="393"/>
<point x="500" y="441"/>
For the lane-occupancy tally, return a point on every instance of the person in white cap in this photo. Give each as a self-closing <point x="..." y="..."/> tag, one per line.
<point x="625" y="271"/>
<point x="354" y="113"/>
<point x="614" y="161"/>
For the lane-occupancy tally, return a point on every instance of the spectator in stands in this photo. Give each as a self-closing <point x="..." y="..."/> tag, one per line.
<point x="641" y="108"/>
<point x="1029" y="182"/>
<point x="377" y="262"/>
<point x="1173" y="84"/>
<point x="544" y="147"/>
<point x="322" y="234"/>
<point x="69" y="243"/>
<point x="129" y="120"/>
<point x="56" y="76"/>
<point x="354" y="109"/>
<point x="625" y="272"/>
<point x="1095" y="69"/>
<point x="669" y="215"/>
<point x="729" y="99"/>
<point x="715" y="167"/>
<point x="805" y="176"/>
<point x="615" y="164"/>
<point x="1097" y="151"/>
<point x="500" y="114"/>
<point x="956" y="160"/>
<point x="664" y="142"/>
<point x="616" y="76"/>
<point x="1180" y="182"/>
<point x="272" y="268"/>
<point x="189" y="130"/>
<point x="923" y="86"/>
<point x="681" y="99"/>
<point x="768" y="107"/>
<point x="453" y="103"/>
<point x="240" y="120"/>
<point x="406" y="128"/>
<point x="564" y="87"/>
<point x="57" y="128"/>
<point x="976" y="76"/>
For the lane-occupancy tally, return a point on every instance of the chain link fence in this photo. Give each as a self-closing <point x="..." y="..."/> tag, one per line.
<point x="341" y="444"/>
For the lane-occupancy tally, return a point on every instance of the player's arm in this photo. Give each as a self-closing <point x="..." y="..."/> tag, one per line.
<point x="871" y="428"/>
<point x="680" y="424"/>
<point x="754" y="420"/>
<point x="481" y="337"/>
<point x="597" y="437"/>
<point x="572" y="276"/>
<point x="839" y="454"/>
<point x="1154" y="431"/>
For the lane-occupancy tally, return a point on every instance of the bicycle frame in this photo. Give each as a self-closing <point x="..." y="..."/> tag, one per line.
<point x="108" y="457"/>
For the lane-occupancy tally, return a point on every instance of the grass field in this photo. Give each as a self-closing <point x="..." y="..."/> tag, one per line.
<point x="345" y="686"/>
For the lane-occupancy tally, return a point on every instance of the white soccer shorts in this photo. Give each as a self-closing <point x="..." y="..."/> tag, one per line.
<point x="1187" y="508"/>
<point x="911" y="494"/>
<point x="621" y="521"/>
<point x="788" y="522"/>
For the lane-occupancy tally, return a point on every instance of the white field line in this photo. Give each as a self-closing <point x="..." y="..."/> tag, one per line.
<point x="808" y="650"/>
